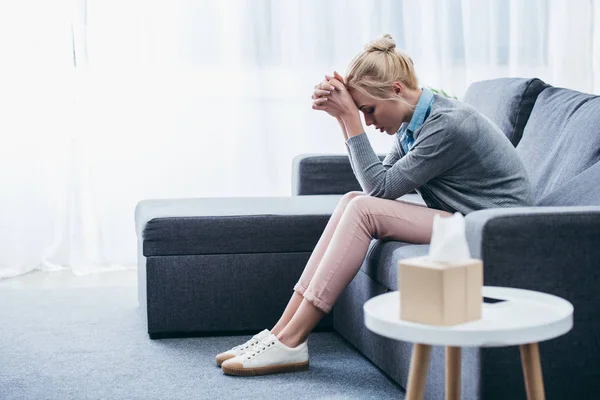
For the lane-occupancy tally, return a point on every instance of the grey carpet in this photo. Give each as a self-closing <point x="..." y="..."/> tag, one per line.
<point x="84" y="343"/>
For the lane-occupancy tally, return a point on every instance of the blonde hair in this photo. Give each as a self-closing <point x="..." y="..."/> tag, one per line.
<point x="373" y="71"/>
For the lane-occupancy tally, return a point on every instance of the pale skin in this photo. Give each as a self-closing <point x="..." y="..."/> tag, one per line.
<point x="300" y="316"/>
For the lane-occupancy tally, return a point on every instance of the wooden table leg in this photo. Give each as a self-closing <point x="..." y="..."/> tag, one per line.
<point x="419" y="363"/>
<point x="532" y="371"/>
<point x="452" y="373"/>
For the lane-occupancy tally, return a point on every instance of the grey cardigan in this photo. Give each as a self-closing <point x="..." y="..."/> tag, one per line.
<point x="460" y="161"/>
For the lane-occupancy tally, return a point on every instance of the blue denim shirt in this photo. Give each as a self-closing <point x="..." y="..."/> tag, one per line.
<point x="420" y="114"/>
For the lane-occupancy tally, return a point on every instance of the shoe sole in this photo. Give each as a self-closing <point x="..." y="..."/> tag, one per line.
<point x="274" y="369"/>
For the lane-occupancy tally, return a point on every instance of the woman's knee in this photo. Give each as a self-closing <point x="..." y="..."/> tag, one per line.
<point x="348" y="197"/>
<point x="353" y="194"/>
<point x="362" y="209"/>
<point x="360" y="203"/>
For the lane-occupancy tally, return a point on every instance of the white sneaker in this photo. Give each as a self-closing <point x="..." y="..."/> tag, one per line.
<point x="242" y="348"/>
<point x="270" y="356"/>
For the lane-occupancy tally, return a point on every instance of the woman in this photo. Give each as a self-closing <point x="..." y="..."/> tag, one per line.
<point x="457" y="159"/>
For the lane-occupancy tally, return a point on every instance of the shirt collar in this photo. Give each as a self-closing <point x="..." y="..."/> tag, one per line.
<point x="421" y="110"/>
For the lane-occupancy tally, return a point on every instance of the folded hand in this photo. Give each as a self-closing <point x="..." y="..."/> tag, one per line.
<point x="332" y="97"/>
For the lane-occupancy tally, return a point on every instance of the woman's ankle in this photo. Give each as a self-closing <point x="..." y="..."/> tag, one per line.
<point x="290" y="341"/>
<point x="276" y="330"/>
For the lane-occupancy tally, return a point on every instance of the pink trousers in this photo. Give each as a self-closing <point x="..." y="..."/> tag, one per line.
<point x="341" y="250"/>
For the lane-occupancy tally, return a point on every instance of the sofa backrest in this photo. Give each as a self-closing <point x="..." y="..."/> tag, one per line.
<point x="561" y="148"/>
<point x="506" y="101"/>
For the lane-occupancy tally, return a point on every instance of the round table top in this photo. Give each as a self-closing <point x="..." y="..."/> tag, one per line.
<point x="525" y="317"/>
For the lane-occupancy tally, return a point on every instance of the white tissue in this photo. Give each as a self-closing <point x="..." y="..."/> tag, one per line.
<point x="449" y="241"/>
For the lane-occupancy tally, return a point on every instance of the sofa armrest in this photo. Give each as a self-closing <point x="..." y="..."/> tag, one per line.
<point x="146" y="210"/>
<point x="314" y="174"/>
<point x="528" y="223"/>
<point x="539" y="248"/>
<point x="553" y="250"/>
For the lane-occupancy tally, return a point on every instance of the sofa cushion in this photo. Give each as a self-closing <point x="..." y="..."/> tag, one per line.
<point x="233" y="225"/>
<point x="561" y="148"/>
<point x="506" y="101"/>
<point x="381" y="263"/>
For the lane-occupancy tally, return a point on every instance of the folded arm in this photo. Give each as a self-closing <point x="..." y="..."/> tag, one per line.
<point x="402" y="175"/>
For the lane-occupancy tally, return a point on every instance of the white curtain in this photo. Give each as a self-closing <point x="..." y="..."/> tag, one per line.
<point x="105" y="103"/>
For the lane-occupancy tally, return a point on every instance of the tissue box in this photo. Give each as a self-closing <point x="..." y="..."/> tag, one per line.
<point x="438" y="293"/>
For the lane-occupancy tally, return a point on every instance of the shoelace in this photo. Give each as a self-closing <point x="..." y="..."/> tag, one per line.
<point x="248" y="345"/>
<point x="257" y="350"/>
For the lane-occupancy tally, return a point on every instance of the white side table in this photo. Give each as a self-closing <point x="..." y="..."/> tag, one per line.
<point x="525" y="318"/>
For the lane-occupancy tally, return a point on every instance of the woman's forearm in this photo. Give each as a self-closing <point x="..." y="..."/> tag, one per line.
<point x="343" y="126"/>
<point x="353" y="125"/>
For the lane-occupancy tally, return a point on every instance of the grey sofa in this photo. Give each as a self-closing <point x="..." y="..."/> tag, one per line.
<point x="216" y="266"/>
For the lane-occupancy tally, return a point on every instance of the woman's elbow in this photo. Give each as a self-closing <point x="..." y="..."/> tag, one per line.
<point x="379" y="192"/>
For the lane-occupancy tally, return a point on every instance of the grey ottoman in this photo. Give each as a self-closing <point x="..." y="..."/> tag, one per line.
<point x="215" y="266"/>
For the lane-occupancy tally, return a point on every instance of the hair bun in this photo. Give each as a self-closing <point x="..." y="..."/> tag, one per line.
<point x="384" y="43"/>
